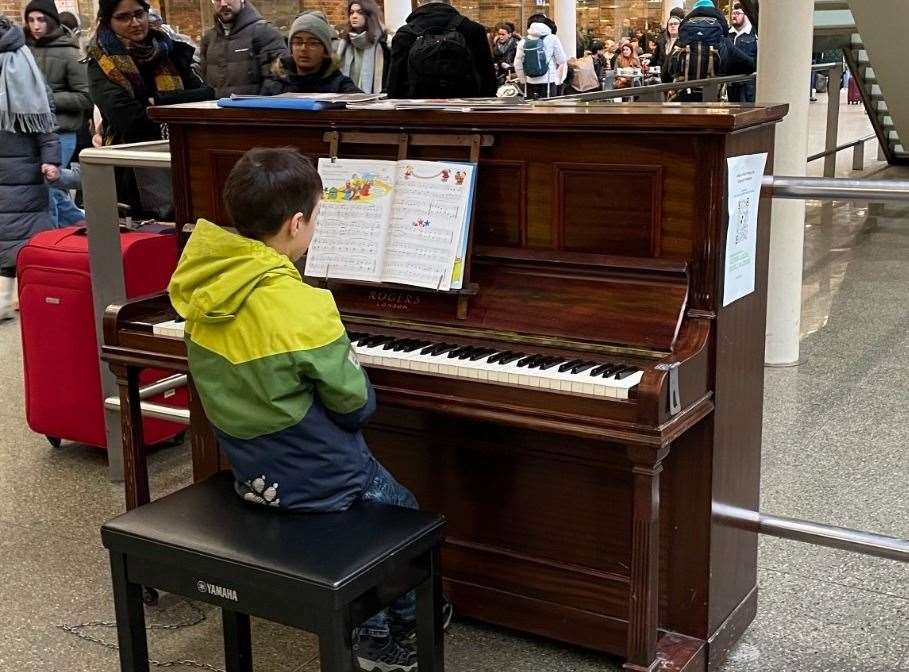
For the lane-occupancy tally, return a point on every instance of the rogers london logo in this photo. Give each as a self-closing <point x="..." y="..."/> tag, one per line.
<point x="217" y="591"/>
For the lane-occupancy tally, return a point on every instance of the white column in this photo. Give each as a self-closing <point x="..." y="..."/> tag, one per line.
<point x="396" y="13"/>
<point x="784" y="70"/>
<point x="669" y="5"/>
<point x="566" y="18"/>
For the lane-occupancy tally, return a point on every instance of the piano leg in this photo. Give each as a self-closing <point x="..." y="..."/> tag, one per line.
<point x="206" y="455"/>
<point x="135" y="469"/>
<point x="643" y="600"/>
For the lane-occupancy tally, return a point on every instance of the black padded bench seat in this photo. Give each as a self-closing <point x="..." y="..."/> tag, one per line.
<point x="321" y="572"/>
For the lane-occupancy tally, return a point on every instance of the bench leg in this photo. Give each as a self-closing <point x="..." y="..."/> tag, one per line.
<point x="430" y="648"/>
<point x="130" y="618"/>
<point x="237" y="641"/>
<point x="335" y="654"/>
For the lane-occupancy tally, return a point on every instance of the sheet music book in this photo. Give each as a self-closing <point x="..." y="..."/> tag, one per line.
<point x="406" y="222"/>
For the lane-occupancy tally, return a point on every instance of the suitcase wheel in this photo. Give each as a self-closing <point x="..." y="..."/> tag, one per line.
<point x="149" y="596"/>
<point x="55" y="441"/>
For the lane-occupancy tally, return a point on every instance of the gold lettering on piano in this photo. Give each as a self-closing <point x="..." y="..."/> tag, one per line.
<point x="393" y="300"/>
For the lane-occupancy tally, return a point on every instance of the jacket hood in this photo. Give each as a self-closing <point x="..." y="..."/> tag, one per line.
<point x="539" y="30"/>
<point x="218" y="270"/>
<point x="431" y="8"/>
<point x="245" y="17"/>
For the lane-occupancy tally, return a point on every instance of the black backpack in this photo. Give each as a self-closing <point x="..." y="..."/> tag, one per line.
<point x="439" y="64"/>
<point x="701" y="50"/>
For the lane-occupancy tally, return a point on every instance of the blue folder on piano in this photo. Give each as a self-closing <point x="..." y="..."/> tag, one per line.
<point x="275" y="103"/>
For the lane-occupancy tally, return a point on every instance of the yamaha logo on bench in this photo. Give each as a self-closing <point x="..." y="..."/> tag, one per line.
<point x="217" y="591"/>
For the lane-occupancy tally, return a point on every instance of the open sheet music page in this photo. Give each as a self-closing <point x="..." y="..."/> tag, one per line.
<point x="430" y="221"/>
<point x="350" y="234"/>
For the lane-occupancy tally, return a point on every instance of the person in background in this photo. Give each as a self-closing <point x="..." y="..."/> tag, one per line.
<point x="666" y="41"/>
<point x="132" y="66"/>
<point x="72" y="25"/>
<point x="312" y="66"/>
<point x="744" y="38"/>
<point x="58" y="57"/>
<point x="365" y="47"/>
<point x="237" y="51"/>
<point x="626" y="58"/>
<point x="541" y="39"/>
<point x="458" y="65"/>
<point x="506" y="46"/>
<point x="600" y="62"/>
<point x="29" y="154"/>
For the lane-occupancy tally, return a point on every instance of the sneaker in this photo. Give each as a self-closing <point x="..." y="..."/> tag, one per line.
<point x="407" y="632"/>
<point x="384" y="655"/>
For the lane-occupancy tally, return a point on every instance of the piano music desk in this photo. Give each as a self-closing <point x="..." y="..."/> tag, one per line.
<point x="573" y="516"/>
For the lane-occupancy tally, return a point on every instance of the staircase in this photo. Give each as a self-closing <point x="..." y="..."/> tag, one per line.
<point x="838" y="24"/>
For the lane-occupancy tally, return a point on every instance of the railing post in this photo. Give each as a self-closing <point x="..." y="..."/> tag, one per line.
<point x="710" y="93"/>
<point x="834" y="82"/>
<point x="858" y="156"/>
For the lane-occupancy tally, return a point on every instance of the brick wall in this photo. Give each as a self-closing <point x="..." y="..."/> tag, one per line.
<point x="12" y="9"/>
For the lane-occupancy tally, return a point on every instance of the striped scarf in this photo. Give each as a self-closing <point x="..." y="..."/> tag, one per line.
<point x="121" y="64"/>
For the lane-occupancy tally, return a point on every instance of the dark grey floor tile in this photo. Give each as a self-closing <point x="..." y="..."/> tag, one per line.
<point x="811" y="626"/>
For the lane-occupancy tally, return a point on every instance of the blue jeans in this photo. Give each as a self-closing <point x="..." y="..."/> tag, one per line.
<point x="386" y="490"/>
<point x="67" y="146"/>
<point x="63" y="211"/>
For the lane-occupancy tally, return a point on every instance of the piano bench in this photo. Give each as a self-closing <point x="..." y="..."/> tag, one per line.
<point x="321" y="572"/>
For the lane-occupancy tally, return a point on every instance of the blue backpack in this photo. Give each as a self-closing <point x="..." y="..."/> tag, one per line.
<point x="535" y="63"/>
<point x="701" y="50"/>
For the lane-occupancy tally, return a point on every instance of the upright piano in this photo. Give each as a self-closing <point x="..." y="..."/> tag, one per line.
<point x="585" y="406"/>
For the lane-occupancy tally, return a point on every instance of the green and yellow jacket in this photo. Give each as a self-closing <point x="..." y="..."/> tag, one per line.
<point x="275" y="372"/>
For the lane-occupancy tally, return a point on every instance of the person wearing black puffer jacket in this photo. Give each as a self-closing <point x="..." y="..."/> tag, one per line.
<point x="29" y="154"/>
<point x="311" y="67"/>
<point x="57" y="54"/>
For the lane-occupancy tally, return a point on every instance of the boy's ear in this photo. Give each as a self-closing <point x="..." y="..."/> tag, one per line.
<point x="297" y="223"/>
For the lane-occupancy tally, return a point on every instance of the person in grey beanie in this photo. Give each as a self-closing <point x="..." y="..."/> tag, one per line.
<point x="312" y="66"/>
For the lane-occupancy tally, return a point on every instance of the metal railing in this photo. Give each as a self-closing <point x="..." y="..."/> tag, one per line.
<point x="843" y="189"/>
<point x="858" y="152"/>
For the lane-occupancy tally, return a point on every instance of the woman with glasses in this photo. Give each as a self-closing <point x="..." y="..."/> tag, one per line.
<point x="132" y="66"/>
<point x="312" y="66"/>
<point x="666" y="41"/>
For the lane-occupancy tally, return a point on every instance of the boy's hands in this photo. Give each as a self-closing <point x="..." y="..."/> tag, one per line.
<point x="50" y="171"/>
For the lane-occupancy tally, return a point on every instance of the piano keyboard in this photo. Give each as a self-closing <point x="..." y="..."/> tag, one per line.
<point x="504" y="367"/>
<point x="514" y="368"/>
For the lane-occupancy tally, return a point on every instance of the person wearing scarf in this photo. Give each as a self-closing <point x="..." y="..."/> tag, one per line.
<point x="29" y="153"/>
<point x="364" y="50"/>
<point x="132" y="66"/>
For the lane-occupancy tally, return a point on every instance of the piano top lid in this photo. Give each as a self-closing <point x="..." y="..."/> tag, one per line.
<point x="691" y="117"/>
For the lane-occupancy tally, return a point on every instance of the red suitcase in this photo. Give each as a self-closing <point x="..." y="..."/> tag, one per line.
<point x="63" y="398"/>
<point x="853" y="95"/>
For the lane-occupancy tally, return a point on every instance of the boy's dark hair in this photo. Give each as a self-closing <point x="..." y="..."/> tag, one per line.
<point x="267" y="186"/>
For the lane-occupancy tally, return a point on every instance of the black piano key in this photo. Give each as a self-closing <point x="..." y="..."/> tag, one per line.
<point x="525" y="361"/>
<point x="627" y="371"/>
<point x="583" y="366"/>
<point x="363" y="338"/>
<point x="443" y="348"/>
<point x="467" y="352"/>
<point x="428" y="348"/>
<point x="377" y="340"/>
<point x="457" y="351"/>
<point x="481" y="353"/>
<point x="497" y="356"/>
<point x="551" y="362"/>
<point x="610" y="372"/>
<point x="401" y="344"/>
<point x="537" y="361"/>
<point x="568" y="365"/>
<point x="391" y="344"/>
<point x="511" y="357"/>
<point x="596" y="371"/>
<point x="413" y="345"/>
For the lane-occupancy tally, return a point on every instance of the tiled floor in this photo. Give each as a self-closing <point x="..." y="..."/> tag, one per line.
<point x="835" y="442"/>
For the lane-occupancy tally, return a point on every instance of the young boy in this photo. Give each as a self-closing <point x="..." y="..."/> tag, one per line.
<point x="275" y="370"/>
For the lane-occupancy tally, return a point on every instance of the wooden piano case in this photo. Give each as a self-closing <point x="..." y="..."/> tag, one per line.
<point x="599" y="228"/>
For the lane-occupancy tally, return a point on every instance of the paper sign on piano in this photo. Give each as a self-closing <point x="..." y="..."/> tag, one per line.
<point x="404" y="222"/>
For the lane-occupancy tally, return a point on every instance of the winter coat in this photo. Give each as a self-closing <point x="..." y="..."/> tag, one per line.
<point x="503" y="55"/>
<point x="555" y="55"/>
<point x="275" y="371"/>
<point x="746" y="42"/>
<point x="283" y="78"/>
<point x="126" y="117"/>
<point x="58" y="57"/>
<point x="438" y="15"/>
<point x="238" y="61"/>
